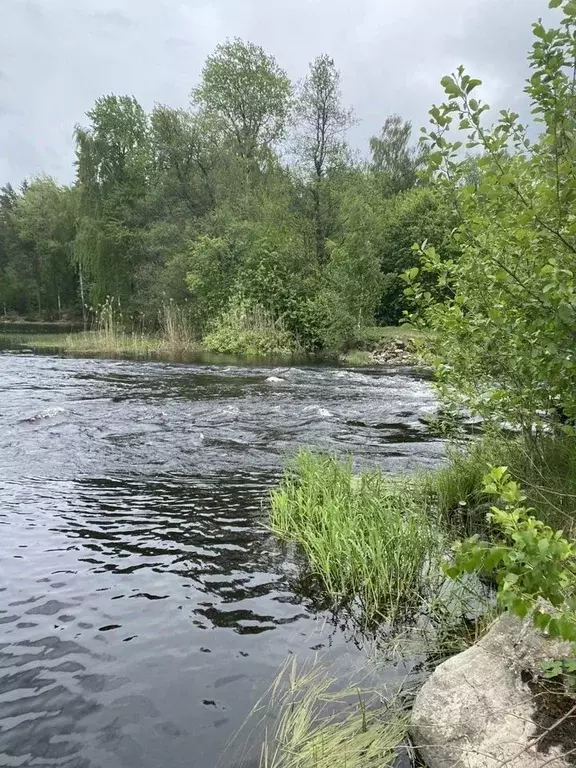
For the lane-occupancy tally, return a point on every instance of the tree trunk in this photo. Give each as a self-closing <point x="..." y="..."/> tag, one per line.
<point x="81" y="281"/>
<point x="319" y="225"/>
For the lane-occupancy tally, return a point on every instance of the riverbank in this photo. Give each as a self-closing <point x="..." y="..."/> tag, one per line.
<point x="99" y="343"/>
<point x="391" y="346"/>
<point x="385" y="345"/>
<point x="378" y="548"/>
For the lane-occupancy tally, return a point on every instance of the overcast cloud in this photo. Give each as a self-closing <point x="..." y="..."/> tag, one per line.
<point x="58" y="56"/>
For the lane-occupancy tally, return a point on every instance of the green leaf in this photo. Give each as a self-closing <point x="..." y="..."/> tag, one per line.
<point x="539" y="31"/>
<point x="567" y="628"/>
<point x="520" y="607"/>
<point x="553" y="627"/>
<point x="511" y="578"/>
<point x="450" y="86"/>
<point x="473" y="84"/>
<point x="554" y="3"/>
<point x="541" y="620"/>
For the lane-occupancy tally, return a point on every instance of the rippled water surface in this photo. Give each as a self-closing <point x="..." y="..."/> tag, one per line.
<point x="143" y="604"/>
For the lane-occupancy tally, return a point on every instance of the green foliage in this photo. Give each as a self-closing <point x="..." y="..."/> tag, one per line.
<point x="321" y="125"/>
<point x="546" y="469"/>
<point x="209" y="274"/>
<point x="394" y="162"/>
<point x="202" y="210"/>
<point x="248" y="93"/>
<point x="507" y="306"/>
<point x="415" y="216"/>
<point x="353" y="270"/>
<point x="532" y="563"/>
<point x="246" y="329"/>
<point x="37" y="229"/>
<point x="113" y="171"/>
<point x="186" y="161"/>
<point x="563" y="670"/>
<point x="367" y="538"/>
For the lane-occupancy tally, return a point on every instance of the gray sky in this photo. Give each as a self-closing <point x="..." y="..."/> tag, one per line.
<point x="58" y="56"/>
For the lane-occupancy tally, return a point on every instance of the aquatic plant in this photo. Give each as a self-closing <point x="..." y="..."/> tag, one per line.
<point x="369" y="539"/>
<point x="317" y="721"/>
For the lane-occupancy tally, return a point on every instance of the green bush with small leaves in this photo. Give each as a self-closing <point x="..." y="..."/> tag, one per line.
<point x="532" y="564"/>
<point x="505" y="309"/>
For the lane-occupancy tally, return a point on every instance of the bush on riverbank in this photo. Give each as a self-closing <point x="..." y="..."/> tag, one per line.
<point x="251" y="330"/>
<point x="545" y="468"/>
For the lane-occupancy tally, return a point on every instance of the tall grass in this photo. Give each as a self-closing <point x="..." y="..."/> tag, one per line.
<point x="369" y="539"/>
<point x="319" y="724"/>
<point x="176" y="331"/>
<point x="545" y="468"/>
<point x="113" y="335"/>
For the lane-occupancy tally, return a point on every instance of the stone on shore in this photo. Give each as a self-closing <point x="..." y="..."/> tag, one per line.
<point x="479" y="709"/>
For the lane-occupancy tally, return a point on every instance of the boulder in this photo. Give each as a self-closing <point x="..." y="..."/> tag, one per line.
<point x="479" y="708"/>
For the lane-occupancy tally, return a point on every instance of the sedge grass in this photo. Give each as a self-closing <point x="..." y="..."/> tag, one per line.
<point x="545" y="469"/>
<point x="368" y="539"/>
<point x="318" y="723"/>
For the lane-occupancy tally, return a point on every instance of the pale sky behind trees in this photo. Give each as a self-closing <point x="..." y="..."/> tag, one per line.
<point x="58" y="56"/>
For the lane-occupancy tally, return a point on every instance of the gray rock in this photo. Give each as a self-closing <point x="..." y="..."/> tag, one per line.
<point x="477" y="709"/>
<point x="275" y="380"/>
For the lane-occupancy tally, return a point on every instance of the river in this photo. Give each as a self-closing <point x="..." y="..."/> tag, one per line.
<point x="143" y="604"/>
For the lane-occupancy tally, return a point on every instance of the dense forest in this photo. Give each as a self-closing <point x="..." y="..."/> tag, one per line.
<point x="248" y="209"/>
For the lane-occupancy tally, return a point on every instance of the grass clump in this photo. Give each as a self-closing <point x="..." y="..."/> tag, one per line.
<point x="250" y="330"/>
<point x="368" y="539"/>
<point x="176" y="334"/>
<point x="319" y="726"/>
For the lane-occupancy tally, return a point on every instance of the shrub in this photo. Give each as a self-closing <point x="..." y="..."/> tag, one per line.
<point x="546" y="470"/>
<point x="530" y="561"/>
<point x="506" y="308"/>
<point x="250" y="330"/>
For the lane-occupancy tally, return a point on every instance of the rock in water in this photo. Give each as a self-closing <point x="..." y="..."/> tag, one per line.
<point x="275" y="380"/>
<point x="478" y="711"/>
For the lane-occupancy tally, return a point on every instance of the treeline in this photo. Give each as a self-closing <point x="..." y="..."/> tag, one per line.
<point x="249" y="209"/>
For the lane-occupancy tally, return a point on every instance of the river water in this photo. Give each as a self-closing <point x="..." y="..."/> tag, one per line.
<point x="143" y="605"/>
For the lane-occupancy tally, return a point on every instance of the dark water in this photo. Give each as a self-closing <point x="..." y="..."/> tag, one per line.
<point x="143" y="604"/>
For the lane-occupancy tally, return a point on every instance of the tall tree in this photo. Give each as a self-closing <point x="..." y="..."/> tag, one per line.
<point x="44" y="218"/>
<point x="113" y="163"/>
<point x="248" y="93"/>
<point x="394" y="161"/>
<point x="322" y="122"/>
<point x="184" y="147"/>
